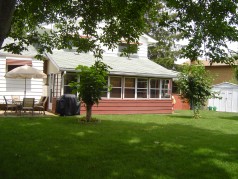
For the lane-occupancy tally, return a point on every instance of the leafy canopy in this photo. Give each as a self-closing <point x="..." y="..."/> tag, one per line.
<point x="72" y="18"/>
<point x="207" y="24"/>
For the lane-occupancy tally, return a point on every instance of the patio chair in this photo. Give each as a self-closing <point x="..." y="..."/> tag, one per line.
<point x="40" y="106"/>
<point x="16" y="100"/>
<point x="28" y="105"/>
<point x="9" y="105"/>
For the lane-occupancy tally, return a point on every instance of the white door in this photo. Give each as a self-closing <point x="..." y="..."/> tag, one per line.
<point x="222" y="101"/>
<point x="229" y="101"/>
<point x="225" y="103"/>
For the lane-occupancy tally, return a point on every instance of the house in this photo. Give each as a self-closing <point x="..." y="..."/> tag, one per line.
<point x="8" y="86"/>
<point x="138" y="84"/>
<point x="220" y="72"/>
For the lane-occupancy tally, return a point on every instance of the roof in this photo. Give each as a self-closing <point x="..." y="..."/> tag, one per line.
<point x="150" y="39"/>
<point x="68" y="61"/>
<point x="207" y="63"/>
<point x="225" y="85"/>
<point x="31" y="52"/>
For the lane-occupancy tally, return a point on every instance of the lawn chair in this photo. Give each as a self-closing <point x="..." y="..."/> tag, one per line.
<point x="16" y="100"/>
<point x="40" y="106"/>
<point x="28" y="105"/>
<point x="9" y="105"/>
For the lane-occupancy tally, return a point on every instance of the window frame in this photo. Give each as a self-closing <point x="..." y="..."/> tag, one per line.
<point x="158" y="79"/>
<point x="147" y="87"/>
<point x="124" y="88"/>
<point x="169" y="88"/>
<point x="67" y="85"/>
<point x="109" y="83"/>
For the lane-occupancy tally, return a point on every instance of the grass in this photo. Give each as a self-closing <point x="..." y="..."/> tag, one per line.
<point x="121" y="146"/>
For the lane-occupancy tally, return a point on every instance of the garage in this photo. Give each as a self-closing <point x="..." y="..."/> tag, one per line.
<point x="228" y="101"/>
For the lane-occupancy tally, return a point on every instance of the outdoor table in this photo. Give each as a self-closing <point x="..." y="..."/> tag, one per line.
<point x="19" y="104"/>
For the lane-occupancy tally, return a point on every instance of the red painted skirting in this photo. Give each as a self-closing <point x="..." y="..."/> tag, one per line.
<point x="131" y="107"/>
<point x="180" y="103"/>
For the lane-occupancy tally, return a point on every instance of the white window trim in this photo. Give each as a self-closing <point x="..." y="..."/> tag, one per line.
<point x="124" y="87"/>
<point x="147" y="96"/>
<point x="155" y="88"/>
<point x="169" y="88"/>
<point x="109" y="83"/>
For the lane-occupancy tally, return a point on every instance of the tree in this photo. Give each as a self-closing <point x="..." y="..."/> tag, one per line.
<point x="6" y="12"/>
<point x="93" y="81"/>
<point x="195" y="83"/>
<point x="207" y="24"/>
<point x="164" y="52"/>
<point x="122" y="19"/>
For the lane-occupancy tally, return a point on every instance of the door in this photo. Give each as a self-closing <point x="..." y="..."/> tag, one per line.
<point x="54" y="88"/>
<point x="225" y="103"/>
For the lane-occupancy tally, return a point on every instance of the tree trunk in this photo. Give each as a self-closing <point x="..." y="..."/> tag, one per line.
<point x="88" y="112"/>
<point x="7" y="8"/>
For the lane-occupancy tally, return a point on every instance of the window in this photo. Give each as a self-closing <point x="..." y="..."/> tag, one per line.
<point x="123" y="47"/>
<point x="14" y="63"/>
<point x="142" y="88"/>
<point x="116" y="87"/>
<point x="154" y="88"/>
<point x="129" y="91"/>
<point x="165" y="88"/>
<point x="69" y="77"/>
<point x="104" y="92"/>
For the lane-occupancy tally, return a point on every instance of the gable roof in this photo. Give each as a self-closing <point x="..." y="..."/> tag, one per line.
<point x="68" y="61"/>
<point x="31" y="52"/>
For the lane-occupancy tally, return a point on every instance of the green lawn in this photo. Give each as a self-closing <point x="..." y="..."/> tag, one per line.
<point x="121" y="146"/>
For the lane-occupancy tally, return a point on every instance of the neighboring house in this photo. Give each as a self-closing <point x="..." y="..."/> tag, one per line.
<point x="228" y="101"/>
<point x="8" y="86"/>
<point x="220" y="72"/>
<point x="138" y="84"/>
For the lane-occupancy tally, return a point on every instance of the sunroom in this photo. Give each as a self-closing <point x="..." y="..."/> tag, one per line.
<point x="138" y="85"/>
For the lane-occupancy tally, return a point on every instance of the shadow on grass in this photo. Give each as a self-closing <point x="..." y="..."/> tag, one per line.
<point x="233" y="118"/>
<point x="63" y="148"/>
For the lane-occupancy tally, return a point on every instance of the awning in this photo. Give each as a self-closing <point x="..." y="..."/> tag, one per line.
<point x="18" y="62"/>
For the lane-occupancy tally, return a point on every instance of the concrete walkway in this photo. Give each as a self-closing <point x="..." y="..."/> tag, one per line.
<point x="36" y="114"/>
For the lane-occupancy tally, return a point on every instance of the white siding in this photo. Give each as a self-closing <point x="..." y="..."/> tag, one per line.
<point x="9" y="86"/>
<point x="51" y="68"/>
<point x="142" y="49"/>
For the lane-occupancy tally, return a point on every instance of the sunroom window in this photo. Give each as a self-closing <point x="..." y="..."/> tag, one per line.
<point x="165" y="88"/>
<point x="105" y="91"/>
<point x="142" y="88"/>
<point x="69" y="77"/>
<point x="129" y="91"/>
<point x="154" y="88"/>
<point x="116" y="87"/>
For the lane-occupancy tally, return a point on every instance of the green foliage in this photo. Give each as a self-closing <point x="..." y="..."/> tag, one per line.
<point x="164" y="52"/>
<point x="195" y="86"/>
<point x="208" y="25"/>
<point x="122" y="20"/>
<point x="93" y="81"/>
